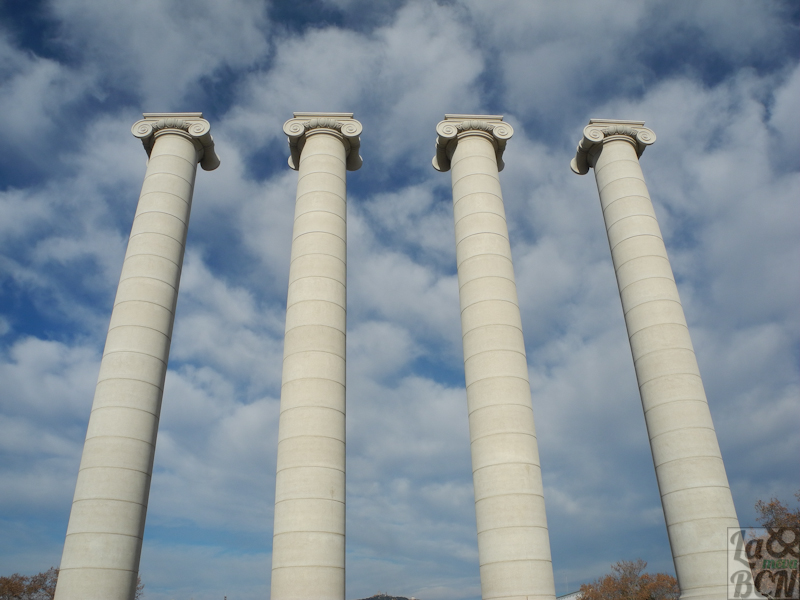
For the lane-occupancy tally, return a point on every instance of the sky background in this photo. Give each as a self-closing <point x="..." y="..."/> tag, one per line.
<point x="719" y="83"/>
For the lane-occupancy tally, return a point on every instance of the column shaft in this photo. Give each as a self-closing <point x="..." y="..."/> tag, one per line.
<point x="513" y="541"/>
<point x="104" y="536"/>
<point x="308" y="555"/>
<point x="697" y="502"/>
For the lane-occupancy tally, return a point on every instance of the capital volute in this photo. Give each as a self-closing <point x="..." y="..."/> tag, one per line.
<point x="191" y="125"/>
<point x="454" y="127"/>
<point x="600" y="131"/>
<point x="341" y="125"/>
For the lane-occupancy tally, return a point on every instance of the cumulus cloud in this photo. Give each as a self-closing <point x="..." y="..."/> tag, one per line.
<point x="160" y="50"/>
<point x="35" y="93"/>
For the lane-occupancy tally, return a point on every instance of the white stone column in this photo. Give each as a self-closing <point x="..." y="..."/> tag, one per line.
<point x="697" y="501"/>
<point x="104" y="536"/>
<point x="513" y="542"/>
<point x="308" y="547"/>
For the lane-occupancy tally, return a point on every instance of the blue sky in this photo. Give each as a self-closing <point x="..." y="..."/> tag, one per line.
<point x="718" y="81"/>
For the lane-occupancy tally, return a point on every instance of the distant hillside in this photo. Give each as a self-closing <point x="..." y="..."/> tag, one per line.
<point x="380" y="596"/>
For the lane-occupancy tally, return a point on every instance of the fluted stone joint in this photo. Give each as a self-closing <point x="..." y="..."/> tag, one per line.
<point x="453" y="126"/>
<point x="191" y="124"/>
<point x="600" y="130"/>
<point x="342" y="125"/>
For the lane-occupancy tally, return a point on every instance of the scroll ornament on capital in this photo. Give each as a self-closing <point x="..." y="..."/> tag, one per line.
<point x="598" y="131"/>
<point x="192" y="124"/>
<point x="453" y="125"/>
<point x="340" y="124"/>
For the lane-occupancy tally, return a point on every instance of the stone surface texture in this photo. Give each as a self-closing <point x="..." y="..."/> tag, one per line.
<point x="513" y="541"/>
<point x="308" y="555"/>
<point x="697" y="502"/>
<point x="104" y="537"/>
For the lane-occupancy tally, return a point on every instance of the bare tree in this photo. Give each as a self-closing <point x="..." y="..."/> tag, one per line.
<point x="628" y="581"/>
<point x="774" y="555"/>
<point x="41" y="586"/>
<point x="775" y="514"/>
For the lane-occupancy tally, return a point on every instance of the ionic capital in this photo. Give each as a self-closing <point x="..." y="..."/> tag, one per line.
<point x="599" y="131"/>
<point x="192" y="125"/>
<point x="342" y="125"/>
<point x="456" y="126"/>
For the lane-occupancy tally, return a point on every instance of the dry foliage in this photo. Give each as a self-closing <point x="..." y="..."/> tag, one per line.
<point x="774" y="556"/>
<point x="628" y="581"/>
<point x="41" y="586"/>
<point x="775" y="514"/>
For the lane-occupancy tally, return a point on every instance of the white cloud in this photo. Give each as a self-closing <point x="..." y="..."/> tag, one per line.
<point x="48" y="380"/>
<point x="224" y="327"/>
<point x="411" y="218"/>
<point x="785" y="122"/>
<point x="324" y="70"/>
<point x="34" y="93"/>
<point x="402" y="76"/>
<point x="162" y="50"/>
